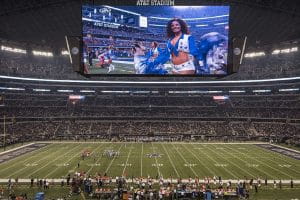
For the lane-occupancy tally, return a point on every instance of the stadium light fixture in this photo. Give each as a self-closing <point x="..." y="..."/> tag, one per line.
<point x="254" y="54"/>
<point x="15" y="50"/>
<point x="289" y="90"/>
<point x="261" y="91"/>
<point x="115" y="91"/>
<point x="141" y="92"/>
<point x="87" y="91"/>
<point x="294" y="49"/>
<point x="65" y="53"/>
<point x="276" y="51"/>
<point x="42" y="53"/>
<point x="285" y="51"/>
<point x="41" y="90"/>
<point x="12" y="88"/>
<point x="193" y="92"/>
<point x="237" y="91"/>
<point x="215" y="91"/>
<point x="181" y="92"/>
<point x="64" y="90"/>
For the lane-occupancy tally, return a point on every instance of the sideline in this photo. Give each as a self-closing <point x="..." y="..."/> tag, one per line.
<point x="95" y="142"/>
<point x="174" y="180"/>
<point x="20" y="147"/>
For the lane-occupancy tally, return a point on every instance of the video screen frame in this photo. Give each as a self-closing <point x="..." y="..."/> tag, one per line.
<point x="107" y="60"/>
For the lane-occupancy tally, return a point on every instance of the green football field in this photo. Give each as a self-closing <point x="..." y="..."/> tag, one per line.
<point x="120" y="68"/>
<point x="184" y="160"/>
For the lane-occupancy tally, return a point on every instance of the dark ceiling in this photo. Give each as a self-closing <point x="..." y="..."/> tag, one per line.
<point x="46" y="22"/>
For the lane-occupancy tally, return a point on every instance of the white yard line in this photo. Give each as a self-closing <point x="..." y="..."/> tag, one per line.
<point x="29" y="158"/>
<point x="162" y="143"/>
<point x="97" y="160"/>
<point x="47" y="164"/>
<point x="20" y="147"/>
<point x="282" y="147"/>
<point x="263" y="163"/>
<point x="212" y="173"/>
<point x="64" y="161"/>
<point x="282" y="157"/>
<point x="112" y="160"/>
<point x="67" y="162"/>
<point x="237" y="165"/>
<point x="228" y="171"/>
<point x="185" y="161"/>
<point x="142" y="153"/>
<point x="174" y="180"/>
<point x="127" y="160"/>
<point x="36" y="161"/>
<point x="157" y="142"/>
<point x="159" y="173"/>
<point x="170" y="160"/>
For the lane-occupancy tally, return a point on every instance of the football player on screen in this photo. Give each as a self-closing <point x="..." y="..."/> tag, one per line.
<point x="139" y="57"/>
<point x="105" y="59"/>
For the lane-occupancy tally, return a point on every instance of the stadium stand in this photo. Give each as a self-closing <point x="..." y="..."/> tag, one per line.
<point x="259" y="103"/>
<point x="243" y="117"/>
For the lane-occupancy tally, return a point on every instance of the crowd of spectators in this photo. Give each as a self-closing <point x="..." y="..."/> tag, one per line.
<point x="123" y="32"/>
<point x="67" y="129"/>
<point x="103" y="186"/>
<point x="152" y="101"/>
<point x="120" y="47"/>
<point x="150" y="113"/>
<point x="269" y="66"/>
<point x="155" y="107"/>
<point x="106" y="187"/>
<point x="115" y="42"/>
<point x="51" y="116"/>
<point x="57" y="67"/>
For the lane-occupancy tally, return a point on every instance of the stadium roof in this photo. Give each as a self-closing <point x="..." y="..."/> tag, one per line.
<point x="46" y="22"/>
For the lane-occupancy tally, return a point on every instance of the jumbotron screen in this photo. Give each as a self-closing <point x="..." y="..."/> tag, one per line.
<point x="155" y="40"/>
